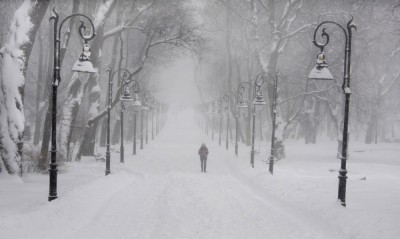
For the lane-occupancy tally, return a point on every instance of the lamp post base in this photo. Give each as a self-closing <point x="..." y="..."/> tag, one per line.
<point x="122" y="155"/>
<point x="252" y="158"/>
<point x="236" y="149"/>
<point x="271" y="164"/>
<point x="108" y="171"/>
<point x="53" y="181"/>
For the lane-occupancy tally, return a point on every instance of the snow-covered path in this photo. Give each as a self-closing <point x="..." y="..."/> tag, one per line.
<point x="161" y="193"/>
<point x="171" y="198"/>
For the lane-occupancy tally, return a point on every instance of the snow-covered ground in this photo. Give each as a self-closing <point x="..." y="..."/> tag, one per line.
<point x="161" y="193"/>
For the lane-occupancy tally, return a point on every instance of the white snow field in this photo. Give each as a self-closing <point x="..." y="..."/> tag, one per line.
<point x="161" y="193"/>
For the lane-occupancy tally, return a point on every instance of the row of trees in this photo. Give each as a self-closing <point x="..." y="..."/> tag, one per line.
<point x="275" y="37"/>
<point x="137" y="35"/>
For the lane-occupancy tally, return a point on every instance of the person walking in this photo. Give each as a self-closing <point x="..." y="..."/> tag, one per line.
<point x="203" y="152"/>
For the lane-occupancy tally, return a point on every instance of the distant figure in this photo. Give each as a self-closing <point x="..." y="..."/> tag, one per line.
<point x="203" y="152"/>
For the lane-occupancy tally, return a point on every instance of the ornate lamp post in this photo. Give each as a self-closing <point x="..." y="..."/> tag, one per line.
<point x="274" y="99"/>
<point x="258" y="100"/>
<point x="215" y="110"/>
<point x="209" y="114"/>
<point x="147" y="118"/>
<point x="153" y="110"/>
<point x="321" y="72"/>
<point x="126" y="97"/>
<point x="158" y="109"/>
<point x="227" y="99"/>
<point x="137" y="105"/>
<point x="145" y="107"/>
<point x="219" y="102"/>
<point x="82" y="65"/>
<point x="240" y="103"/>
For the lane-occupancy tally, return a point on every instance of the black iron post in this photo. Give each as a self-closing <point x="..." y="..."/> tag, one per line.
<point x="347" y="92"/>
<point x="220" y="121"/>
<point x="134" y="131"/>
<point x="227" y="130"/>
<point x="56" y="81"/>
<point x="236" y="132"/>
<point x="111" y="75"/>
<point x="220" y="130"/>
<point x="147" y="126"/>
<point x="274" y="99"/>
<point x="212" y="127"/>
<point x="141" y="128"/>
<point x="240" y="103"/>
<point x="206" y="115"/>
<point x="122" y="153"/>
<point x="158" y="119"/>
<point x="108" y="154"/>
<point x="152" y="125"/>
<point x="227" y="108"/>
<point x="258" y="100"/>
<point x="253" y="136"/>
<point x="145" y="108"/>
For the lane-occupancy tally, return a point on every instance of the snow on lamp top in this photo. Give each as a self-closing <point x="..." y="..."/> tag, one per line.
<point x="321" y="71"/>
<point x="83" y="64"/>
<point x="126" y="97"/>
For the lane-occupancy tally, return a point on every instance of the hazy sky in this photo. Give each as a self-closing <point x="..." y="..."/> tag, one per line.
<point x="177" y="83"/>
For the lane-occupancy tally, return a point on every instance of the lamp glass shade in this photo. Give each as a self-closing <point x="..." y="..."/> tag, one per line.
<point x="241" y="105"/>
<point x="136" y="101"/>
<point x="259" y="100"/>
<point x="136" y="105"/>
<point x="318" y="73"/>
<point x="83" y="66"/>
<point x="321" y="71"/>
<point x="126" y="98"/>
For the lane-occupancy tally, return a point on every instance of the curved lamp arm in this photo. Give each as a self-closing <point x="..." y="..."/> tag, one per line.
<point x="348" y="35"/>
<point x="81" y="29"/>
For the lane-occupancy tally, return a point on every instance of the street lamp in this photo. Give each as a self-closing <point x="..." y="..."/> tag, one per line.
<point x="82" y="65"/>
<point x="147" y="117"/>
<point x="258" y="100"/>
<point x="274" y="99"/>
<point x="153" y="108"/>
<point x="219" y="102"/>
<point x="240" y="103"/>
<point x="214" y="111"/>
<point x="145" y="100"/>
<point x="209" y="111"/>
<point x="321" y="72"/>
<point x="158" y="109"/>
<point x="126" y="97"/>
<point x="137" y="105"/>
<point x="227" y="99"/>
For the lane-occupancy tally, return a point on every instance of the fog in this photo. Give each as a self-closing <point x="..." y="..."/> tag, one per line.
<point x="177" y="85"/>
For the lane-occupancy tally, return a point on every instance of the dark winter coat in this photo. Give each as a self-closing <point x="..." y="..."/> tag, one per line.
<point x="203" y="150"/>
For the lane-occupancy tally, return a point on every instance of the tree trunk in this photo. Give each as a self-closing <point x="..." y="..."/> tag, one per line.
<point x="16" y="53"/>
